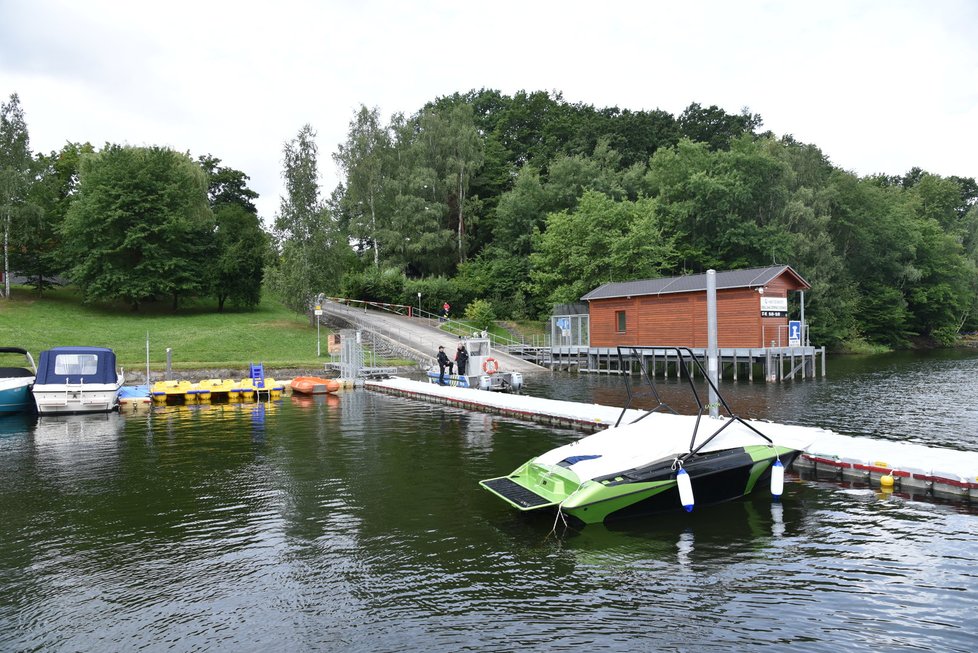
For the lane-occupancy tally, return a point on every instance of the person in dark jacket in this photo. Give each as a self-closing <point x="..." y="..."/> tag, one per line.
<point x="461" y="358"/>
<point x="443" y="362"/>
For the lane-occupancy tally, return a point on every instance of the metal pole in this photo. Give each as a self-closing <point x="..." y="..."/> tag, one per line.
<point x="147" y="358"/>
<point x="318" y="312"/>
<point x="712" y="364"/>
<point x="169" y="363"/>
<point x="804" y="327"/>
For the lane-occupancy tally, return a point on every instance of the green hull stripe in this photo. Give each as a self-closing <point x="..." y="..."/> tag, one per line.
<point x="596" y="510"/>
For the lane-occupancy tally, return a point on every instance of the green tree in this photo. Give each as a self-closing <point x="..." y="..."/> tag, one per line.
<point x="227" y="186"/>
<point x="600" y="241"/>
<point x="15" y="170"/>
<point x="714" y="126"/>
<point x="726" y="207"/>
<point x="941" y="299"/>
<point x="242" y="244"/>
<point x="312" y="251"/>
<point x="37" y="251"/>
<point x="366" y="160"/>
<point x="140" y="226"/>
<point x="450" y="146"/>
<point x="875" y="233"/>
<point x="480" y="313"/>
<point x="419" y="227"/>
<point x="521" y="211"/>
<point x="242" y="253"/>
<point x="465" y="157"/>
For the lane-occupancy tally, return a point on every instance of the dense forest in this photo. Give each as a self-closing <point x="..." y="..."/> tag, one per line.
<point x="519" y="201"/>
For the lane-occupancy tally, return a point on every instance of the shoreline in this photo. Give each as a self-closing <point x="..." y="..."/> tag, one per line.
<point x="138" y="377"/>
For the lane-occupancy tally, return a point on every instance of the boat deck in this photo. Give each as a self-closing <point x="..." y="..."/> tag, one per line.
<point x="914" y="468"/>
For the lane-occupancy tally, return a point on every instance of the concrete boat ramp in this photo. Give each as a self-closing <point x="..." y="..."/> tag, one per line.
<point x="909" y="468"/>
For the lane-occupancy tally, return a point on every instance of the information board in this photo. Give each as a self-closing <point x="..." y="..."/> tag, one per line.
<point x="774" y="307"/>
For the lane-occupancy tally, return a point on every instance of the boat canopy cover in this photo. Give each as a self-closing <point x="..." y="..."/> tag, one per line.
<point x="76" y="365"/>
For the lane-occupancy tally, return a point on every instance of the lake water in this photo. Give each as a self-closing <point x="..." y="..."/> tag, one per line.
<point x="355" y="523"/>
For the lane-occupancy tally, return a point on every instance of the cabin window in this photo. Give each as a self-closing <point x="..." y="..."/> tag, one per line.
<point x="76" y="364"/>
<point x="620" y="321"/>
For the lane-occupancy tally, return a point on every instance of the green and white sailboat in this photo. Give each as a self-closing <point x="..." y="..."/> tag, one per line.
<point x="660" y="461"/>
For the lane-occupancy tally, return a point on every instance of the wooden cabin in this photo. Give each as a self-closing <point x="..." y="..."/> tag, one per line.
<point x="752" y="310"/>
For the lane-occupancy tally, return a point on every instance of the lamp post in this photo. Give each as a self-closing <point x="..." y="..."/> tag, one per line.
<point x="419" y="305"/>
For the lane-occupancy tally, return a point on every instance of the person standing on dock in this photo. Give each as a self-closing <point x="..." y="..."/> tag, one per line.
<point x="461" y="358"/>
<point x="443" y="362"/>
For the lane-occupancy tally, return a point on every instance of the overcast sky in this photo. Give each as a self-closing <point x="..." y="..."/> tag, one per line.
<point x="879" y="86"/>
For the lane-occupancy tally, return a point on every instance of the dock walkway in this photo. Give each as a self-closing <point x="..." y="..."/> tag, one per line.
<point x="412" y="338"/>
<point x="913" y="467"/>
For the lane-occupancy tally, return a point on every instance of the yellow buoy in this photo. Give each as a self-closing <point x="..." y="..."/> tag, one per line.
<point x="886" y="481"/>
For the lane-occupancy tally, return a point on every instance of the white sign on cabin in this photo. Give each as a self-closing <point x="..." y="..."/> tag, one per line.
<point x="774" y="306"/>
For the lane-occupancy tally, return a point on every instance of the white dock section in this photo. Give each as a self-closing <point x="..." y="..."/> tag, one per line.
<point x="587" y="417"/>
<point x="945" y="472"/>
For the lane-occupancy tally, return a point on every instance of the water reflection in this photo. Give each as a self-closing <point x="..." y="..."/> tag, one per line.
<point x="16" y="424"/>
<point x="310" y="402"/>
<point x="356" y="522"/>
<point x="78" y="447"/>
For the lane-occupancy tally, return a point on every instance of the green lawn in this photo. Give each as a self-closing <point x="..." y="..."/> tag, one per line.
<point x="199" y="336"/>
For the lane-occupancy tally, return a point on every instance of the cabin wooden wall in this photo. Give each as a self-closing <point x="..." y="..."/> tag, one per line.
<point x="679" y="319"/>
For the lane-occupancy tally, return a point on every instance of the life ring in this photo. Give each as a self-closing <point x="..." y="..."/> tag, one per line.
<point x="490" y="366"/>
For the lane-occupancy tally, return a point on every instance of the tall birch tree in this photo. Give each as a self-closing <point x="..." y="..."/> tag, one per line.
<point x="455" y="150"/>
<point x="15" y="169"/>
<point x="312" y="252"/>
<point x="364" y="160"/>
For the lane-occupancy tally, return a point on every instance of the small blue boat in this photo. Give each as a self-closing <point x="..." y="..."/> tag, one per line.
<point x="16" y="382"/>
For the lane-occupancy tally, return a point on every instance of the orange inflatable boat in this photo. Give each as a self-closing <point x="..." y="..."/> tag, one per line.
<point x="314" y="385"/>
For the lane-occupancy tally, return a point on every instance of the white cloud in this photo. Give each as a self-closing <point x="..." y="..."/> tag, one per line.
<point x="879" y="86"/>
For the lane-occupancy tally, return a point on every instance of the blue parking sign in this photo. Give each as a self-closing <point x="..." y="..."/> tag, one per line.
<point x="794" y="333"/>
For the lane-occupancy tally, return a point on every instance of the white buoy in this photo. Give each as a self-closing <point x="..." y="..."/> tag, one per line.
<point x="777" y="479"/>
<point x="685" y="489"/>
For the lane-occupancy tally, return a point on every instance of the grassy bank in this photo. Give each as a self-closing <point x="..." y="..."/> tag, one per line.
<point x="199" y="337"/>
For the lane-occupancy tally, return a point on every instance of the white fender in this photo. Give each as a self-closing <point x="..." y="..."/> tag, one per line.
<point x="777" y="479"/>
<point x="685" y="489"/>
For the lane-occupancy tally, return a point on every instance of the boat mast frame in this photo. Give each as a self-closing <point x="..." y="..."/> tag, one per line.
<point x="685" y="359"/>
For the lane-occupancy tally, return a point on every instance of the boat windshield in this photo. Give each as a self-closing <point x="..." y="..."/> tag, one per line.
<point x="75" y="364"/>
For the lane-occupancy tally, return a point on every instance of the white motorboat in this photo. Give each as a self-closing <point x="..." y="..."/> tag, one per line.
<point x="77" y="380"/>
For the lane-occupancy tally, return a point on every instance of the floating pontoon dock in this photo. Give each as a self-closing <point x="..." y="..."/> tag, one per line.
<point x="215" y="389"/>
<point x="913" y="467"/>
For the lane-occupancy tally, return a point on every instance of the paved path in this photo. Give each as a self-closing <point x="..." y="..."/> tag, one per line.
<point x="416" y="338"/>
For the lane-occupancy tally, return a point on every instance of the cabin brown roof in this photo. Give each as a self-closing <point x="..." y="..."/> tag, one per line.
<point x="750" y="278"/>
